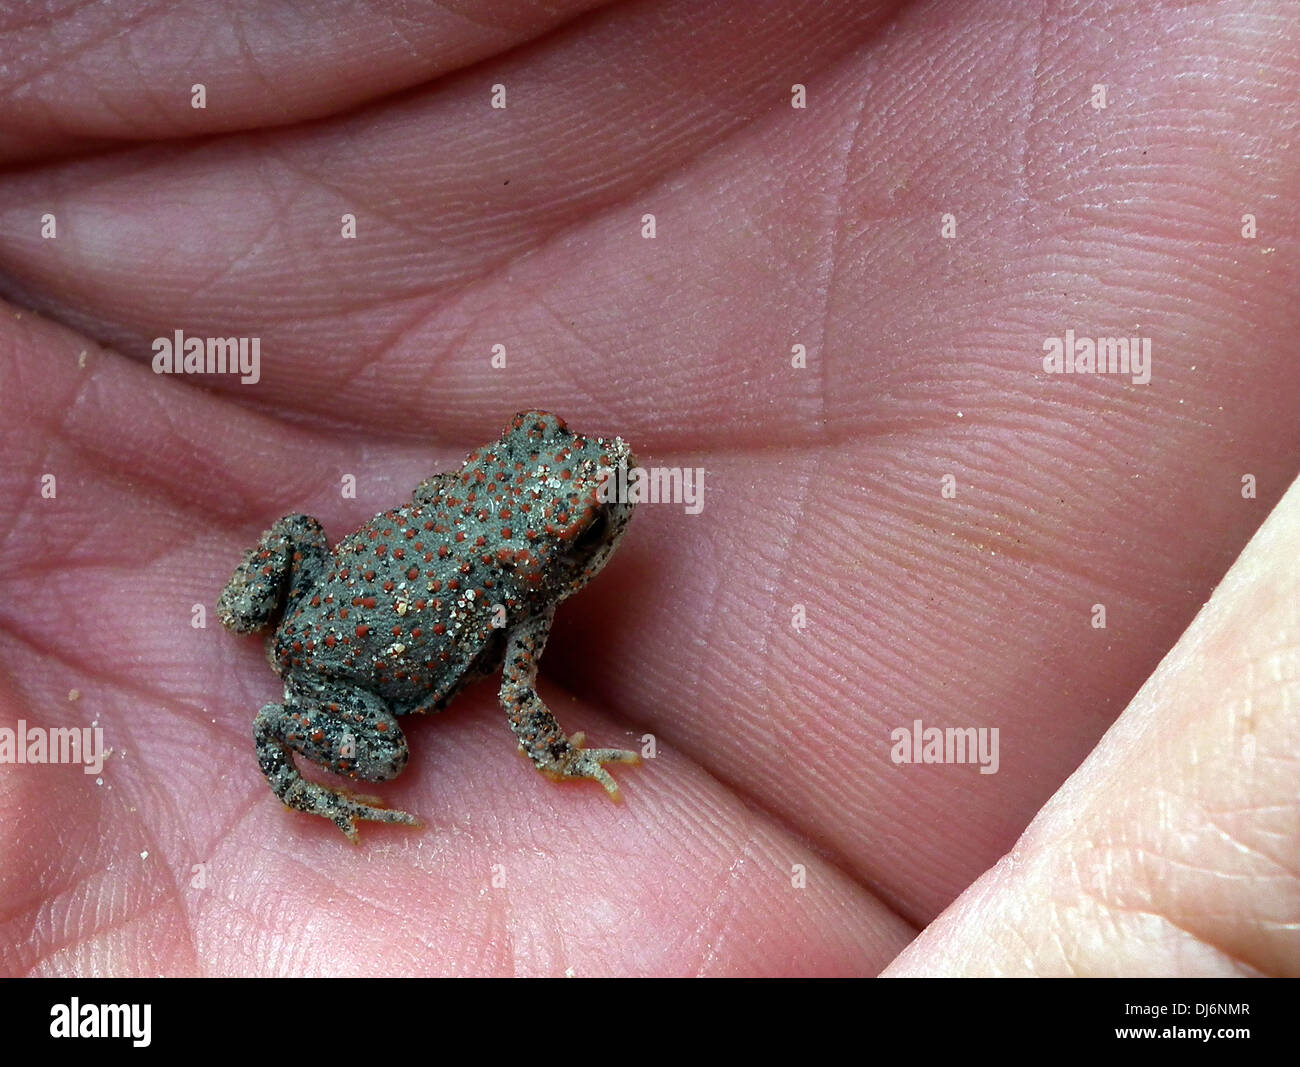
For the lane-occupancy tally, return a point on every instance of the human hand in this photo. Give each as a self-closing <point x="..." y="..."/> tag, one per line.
<point x="772" y="834"/>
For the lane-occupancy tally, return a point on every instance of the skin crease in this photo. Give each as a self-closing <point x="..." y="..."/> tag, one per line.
<point x="775" y="226"/>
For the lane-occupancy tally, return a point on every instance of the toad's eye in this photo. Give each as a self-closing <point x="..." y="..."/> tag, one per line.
<point x="593" y="535"/>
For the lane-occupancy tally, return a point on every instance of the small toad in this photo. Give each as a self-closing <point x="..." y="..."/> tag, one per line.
<point x="422" y="600"/>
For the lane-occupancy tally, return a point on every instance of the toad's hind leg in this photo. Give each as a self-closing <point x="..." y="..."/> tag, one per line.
<point x="288" y="559"/>
<point x="543" y="741"/>
<point x="351" y="732"/>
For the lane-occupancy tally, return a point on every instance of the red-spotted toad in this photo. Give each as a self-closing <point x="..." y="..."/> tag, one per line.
<point x="422" y="600"/>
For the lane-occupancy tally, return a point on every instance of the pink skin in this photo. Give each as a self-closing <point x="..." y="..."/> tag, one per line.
<point x="775" y="226"/>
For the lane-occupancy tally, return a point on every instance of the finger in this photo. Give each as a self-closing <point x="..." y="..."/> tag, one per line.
<point x="246" y="235"/>
<point x="91" y="75"/>
<point x="1175" y="848"/>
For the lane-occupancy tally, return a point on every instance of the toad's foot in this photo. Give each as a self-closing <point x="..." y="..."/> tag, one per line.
<point x="579" y="762"/>
<point x="342" y="807"/>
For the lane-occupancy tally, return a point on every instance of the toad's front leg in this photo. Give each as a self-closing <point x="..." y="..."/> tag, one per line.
<point x="543" y="741"/>
<point x="348" y="731"/>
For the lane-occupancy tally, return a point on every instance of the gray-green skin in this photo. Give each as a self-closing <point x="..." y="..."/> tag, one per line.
<point x="422" y="600"/>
